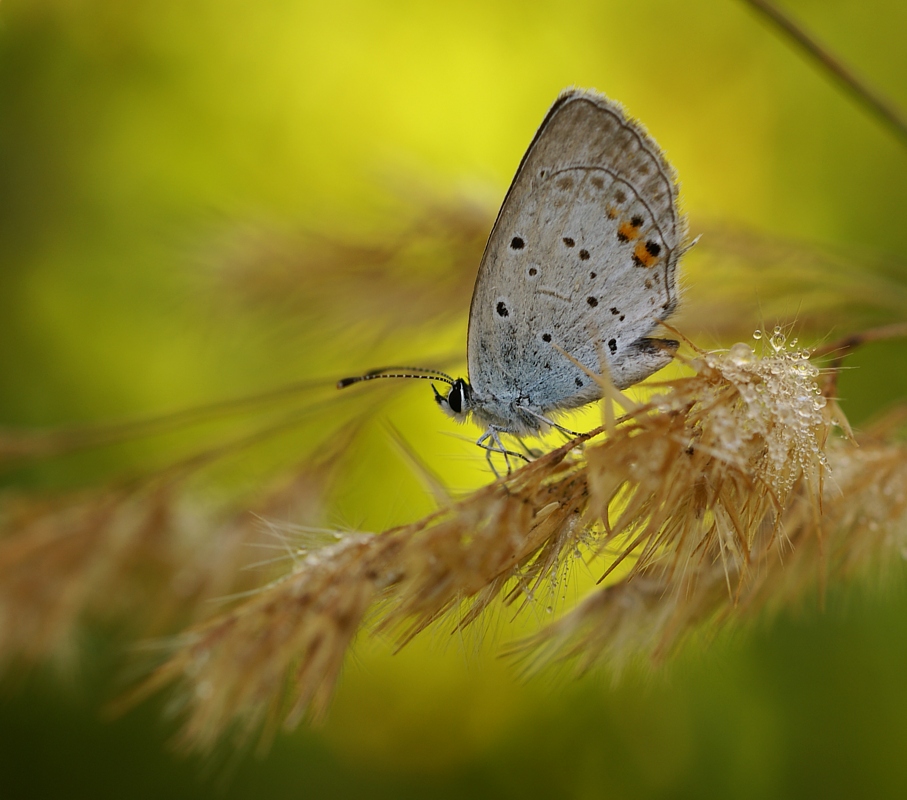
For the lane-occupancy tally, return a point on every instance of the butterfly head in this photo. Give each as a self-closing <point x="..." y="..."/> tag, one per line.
<point x="456" y="402"/>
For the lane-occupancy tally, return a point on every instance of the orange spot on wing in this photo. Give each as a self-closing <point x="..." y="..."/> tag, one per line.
<point x="627" y="231"/>
<point x="642" y="257"/>
<point x="611" y="211"/>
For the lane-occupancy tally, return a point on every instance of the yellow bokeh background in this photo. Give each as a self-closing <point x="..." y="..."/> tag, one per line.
<point x="136" y="139"/>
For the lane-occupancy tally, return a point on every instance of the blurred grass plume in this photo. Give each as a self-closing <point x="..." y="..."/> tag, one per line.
<point x="723" y="494"/>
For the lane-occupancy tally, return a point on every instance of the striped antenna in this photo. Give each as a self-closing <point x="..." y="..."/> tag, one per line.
<point x="398" y="372"/>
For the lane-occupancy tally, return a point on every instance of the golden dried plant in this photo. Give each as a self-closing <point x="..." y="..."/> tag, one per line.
<point x="720" y="494"/>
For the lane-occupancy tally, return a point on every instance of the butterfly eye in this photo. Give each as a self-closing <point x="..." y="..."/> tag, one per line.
<point x="455" y="398"/>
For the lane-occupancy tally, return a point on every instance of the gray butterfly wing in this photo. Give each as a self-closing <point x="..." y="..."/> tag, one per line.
<point x="583" y="255"/>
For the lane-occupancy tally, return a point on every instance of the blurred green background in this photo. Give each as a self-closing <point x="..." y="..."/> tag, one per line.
<point x="143" y="145"/>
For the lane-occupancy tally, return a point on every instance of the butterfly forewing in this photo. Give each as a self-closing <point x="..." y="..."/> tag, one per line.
<point x="582" y="257"/>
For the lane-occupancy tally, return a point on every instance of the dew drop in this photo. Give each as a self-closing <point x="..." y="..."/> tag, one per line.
<point x="757" y="334"/>
<point x="741" y="354"/>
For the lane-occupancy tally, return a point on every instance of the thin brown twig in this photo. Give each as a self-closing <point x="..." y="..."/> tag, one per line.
<point x="879" y="106"/>
<point x="844" y="347"/>
<point x="840" y="350"/>
<point x="33" y="444"/>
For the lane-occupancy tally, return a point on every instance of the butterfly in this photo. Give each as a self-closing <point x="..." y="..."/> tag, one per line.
<point x="579" y="270"/>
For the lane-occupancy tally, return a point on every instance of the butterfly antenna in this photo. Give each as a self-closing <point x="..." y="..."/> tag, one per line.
<point x="398" y="372"/>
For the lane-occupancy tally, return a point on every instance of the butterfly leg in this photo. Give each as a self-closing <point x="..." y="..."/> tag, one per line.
<point x="542" y="418"/>
<point x="531" y="452"/>
<point x="490" y="442"/>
